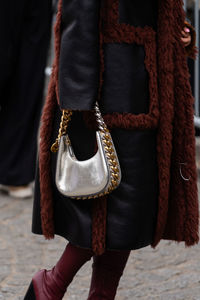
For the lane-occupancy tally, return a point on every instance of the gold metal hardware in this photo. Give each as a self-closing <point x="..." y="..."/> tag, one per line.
<point x="108" y="149"/>
<point x="115" y="169"/>
<point x="114" y="182"/>
<point x="65" y="119"/>
<point x="116" y="176"/>
<point x="111" y="156"/>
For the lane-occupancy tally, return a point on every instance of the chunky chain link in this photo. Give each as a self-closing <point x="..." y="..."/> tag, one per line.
<point x="109" y="150"/>
<point x="65" y="119"/>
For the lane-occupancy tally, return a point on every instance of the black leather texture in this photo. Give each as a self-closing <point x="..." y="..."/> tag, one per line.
<point x="138" y="13"/>
<point x="126" y="79"/>
<point x="125" y="75"/>
<point x="79" y="55"/>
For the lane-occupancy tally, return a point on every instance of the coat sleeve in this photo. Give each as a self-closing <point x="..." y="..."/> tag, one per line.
<point x="79" y="63"/>
<point x="191" y="50"/>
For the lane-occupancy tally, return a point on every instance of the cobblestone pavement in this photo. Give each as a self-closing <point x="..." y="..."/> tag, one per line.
<point x="169" y="272"/>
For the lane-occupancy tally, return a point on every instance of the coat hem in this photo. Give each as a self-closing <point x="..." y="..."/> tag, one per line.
<point x="90" y="248"/>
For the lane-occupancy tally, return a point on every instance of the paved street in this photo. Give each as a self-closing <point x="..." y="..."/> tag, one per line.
<point x="170" y="272"/>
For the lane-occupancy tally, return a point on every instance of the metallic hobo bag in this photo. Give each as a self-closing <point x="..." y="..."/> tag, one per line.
<point x="94" y="177"/>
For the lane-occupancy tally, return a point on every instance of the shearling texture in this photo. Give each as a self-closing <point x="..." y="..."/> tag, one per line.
<point x="172" y="115"/>
<point x="183" y="197"/>
<point x="46" y="199"/>
<point x="99" y="225"/>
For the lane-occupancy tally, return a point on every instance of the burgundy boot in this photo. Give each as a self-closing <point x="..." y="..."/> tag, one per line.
<point x="52" y="284"/>
<point x="107" y="271"/>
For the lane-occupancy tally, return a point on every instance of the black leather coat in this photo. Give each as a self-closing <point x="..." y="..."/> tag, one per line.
<point x="132" y="208"/>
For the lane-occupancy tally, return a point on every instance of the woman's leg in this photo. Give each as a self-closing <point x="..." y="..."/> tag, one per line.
<point x="52" y="284"/>
<point x="72" y="259"/>
<point x="107" y="271"/>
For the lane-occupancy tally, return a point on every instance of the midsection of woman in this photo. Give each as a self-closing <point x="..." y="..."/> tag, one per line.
<point x="132" y="208"/>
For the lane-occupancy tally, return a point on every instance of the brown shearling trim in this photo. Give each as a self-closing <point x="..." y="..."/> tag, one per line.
<point x="46" y="198"/>
<point x="166" y="96"/>
<point x="178" y="207"/>
<point x="99" y="208"/>
<point x="99" y="214"/>
<point x="184" y="195"/>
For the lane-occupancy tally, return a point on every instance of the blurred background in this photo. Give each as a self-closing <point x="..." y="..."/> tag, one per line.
<point x="169" y="272"/>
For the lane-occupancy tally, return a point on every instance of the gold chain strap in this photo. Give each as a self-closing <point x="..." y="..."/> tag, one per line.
<point x="65" y="119"/>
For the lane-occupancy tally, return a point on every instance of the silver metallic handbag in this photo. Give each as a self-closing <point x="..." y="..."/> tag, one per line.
<point x="91" y="178"/>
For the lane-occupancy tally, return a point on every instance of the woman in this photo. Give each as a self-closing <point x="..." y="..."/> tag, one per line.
<point x="133" y="61"/>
